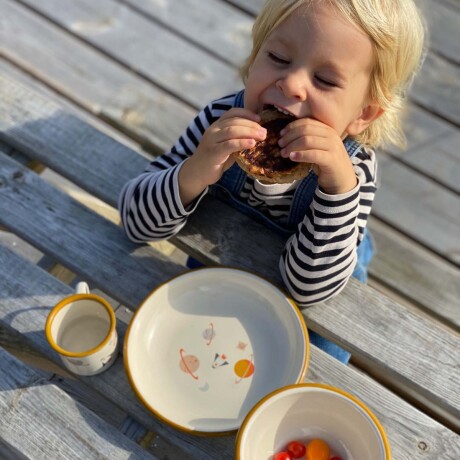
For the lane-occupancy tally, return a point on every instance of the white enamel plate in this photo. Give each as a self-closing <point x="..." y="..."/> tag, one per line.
<point x="205" y="347"/>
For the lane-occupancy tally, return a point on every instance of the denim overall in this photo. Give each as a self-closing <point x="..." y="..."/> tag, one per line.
<point x="229" y="188"/>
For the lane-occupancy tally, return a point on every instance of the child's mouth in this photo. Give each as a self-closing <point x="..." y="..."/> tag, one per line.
<point x="278" y="109"/>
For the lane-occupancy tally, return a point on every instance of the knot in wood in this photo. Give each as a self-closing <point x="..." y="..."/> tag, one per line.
<point x="423" y="446"/>
<point x="17" y="175"/>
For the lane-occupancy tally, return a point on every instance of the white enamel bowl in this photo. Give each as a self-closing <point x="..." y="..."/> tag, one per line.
<point x="206" y="346"/>
<point x="306" y="411"/>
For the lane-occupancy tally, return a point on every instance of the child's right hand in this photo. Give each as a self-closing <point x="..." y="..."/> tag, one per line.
<point x="236" y="130"/>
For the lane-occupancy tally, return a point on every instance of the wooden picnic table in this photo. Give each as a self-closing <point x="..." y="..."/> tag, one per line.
<point x="89" y="93"/>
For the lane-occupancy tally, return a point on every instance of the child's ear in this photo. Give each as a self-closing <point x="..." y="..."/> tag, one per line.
<point x="368" y="114"/>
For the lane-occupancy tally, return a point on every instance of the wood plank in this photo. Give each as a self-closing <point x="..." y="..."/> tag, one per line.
<point x="437" y="88"/>
<point x="99" y="251"/>
<point x="443" y="18"/>
<point x="431" y="148"/>
<point x="39" y="420"/>
<point x="216" y="26"/>
<point x="91" y="80"/>
<point x="75" y="236"/>
<point x="422" y="209"/>
<point x="416" y="274"/>
<point x="172" y="63"/>
<point x="15" y="73"/>
<point x="30" y="292"/>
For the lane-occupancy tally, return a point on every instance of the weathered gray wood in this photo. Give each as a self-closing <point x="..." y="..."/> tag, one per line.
<point x="29" y="293"/>
<point x="144" y="46"/>
<point x="443" y="18"/>
<point x="417" y="207"/>
<point x="432" y="148"/>
<point x="416" y="274"/>
<point x="214" y="25"/>
<point x="75" y="236"/>
<point x="15" y="73"/>
<point x="98" y="250"/>
<point x="42" y="422"/>
<point x="90" y="79"/>
<point x="437" y="88"/>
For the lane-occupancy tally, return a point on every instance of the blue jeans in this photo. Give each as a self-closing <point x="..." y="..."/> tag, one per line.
<point x="365" y="253"/>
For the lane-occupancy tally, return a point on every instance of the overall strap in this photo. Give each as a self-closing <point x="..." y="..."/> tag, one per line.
<point x="304" y="193"/>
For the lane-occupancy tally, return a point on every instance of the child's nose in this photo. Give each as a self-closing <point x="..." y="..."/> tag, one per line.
<point x="293" y="86"/>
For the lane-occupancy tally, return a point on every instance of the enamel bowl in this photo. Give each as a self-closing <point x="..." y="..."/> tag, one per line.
<point x="206" y="346"/>
<point x="307" y="411"/>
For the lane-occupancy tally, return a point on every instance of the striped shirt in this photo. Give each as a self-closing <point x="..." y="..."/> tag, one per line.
<point x="318" y="258"/>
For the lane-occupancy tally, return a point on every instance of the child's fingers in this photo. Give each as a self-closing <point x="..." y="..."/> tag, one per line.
<point x="242" y="130"/>
<point x="303" y="129"/>
<point x="316" y="157"/>
<point x="306" y="144"/>
<point x="233" y="145"/>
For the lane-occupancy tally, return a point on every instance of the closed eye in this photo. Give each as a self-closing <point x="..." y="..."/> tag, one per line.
<point x="277" y="59"/>
<point x="325" y="82"/>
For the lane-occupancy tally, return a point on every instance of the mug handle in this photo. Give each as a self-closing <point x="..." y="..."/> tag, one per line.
<point x="82" y="288"/>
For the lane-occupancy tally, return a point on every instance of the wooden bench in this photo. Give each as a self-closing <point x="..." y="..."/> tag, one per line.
<point x="38" y="420"/>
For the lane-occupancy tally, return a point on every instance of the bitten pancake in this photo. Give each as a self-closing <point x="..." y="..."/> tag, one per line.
<point x="264" y="160"/>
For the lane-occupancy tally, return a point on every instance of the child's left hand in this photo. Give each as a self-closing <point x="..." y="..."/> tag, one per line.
<point x="308" y="140"/>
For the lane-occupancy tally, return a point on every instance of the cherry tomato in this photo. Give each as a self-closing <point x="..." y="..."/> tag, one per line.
<point x="282" y="456"/>
<point x="296" y="449"/>
<point x="336" y="458"/>
<point x="317" y="449"/>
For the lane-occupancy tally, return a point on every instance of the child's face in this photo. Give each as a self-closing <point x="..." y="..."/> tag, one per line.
<point x="316" y="65"/>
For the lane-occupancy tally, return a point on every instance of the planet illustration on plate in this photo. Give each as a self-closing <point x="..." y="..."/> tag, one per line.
<point x="209" y="334"/>
<point x="244" y="368"/>
<point x="189" y="364"/>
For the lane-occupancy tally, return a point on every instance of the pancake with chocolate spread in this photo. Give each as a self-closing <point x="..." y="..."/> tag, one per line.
<point x="264" y="160"/>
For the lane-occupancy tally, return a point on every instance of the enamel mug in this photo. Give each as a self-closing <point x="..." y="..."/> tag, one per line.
<point x="81" y="328"/>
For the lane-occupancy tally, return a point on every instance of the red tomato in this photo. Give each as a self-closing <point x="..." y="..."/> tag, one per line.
<point x="282" y="456"/>
<point x="296" y="449"/>
<point x="336" y="458"/>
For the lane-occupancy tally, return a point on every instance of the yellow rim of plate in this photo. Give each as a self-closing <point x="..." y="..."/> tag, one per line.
<point x="314" y="385"/>
<point x="162" y="417"/>
<point x="63" y="303"/>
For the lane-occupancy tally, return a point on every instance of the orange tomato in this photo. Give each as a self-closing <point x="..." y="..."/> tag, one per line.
<point x="317" y="449"/>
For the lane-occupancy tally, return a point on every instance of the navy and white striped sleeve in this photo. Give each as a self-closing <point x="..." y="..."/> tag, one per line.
<point x="150" y="205"/>
<point x="320" y="257"/>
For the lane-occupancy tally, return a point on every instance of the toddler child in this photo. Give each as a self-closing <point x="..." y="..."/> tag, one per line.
<point x="342" y="69"/>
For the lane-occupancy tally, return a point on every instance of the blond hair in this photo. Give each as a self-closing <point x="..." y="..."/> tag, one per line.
<point x="397" y="32"/>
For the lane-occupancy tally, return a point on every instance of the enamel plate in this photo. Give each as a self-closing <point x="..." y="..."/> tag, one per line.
<point x="205" y="347"/>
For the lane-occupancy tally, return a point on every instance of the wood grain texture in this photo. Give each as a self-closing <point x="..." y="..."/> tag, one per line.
<point x="214" y="25"/>
<point x="431" y="148"/>
<point x="443" y="19"/>
<point x="418" y="207"/>
<point x="416" y="274"/>
<point x="170" y="62"/>
<point x="28" y="293"/>
<point x="76" y="237"/>
<point x="43" y="422"/>
<point x="437" y="88"/>
<point x="90" y="79"/>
